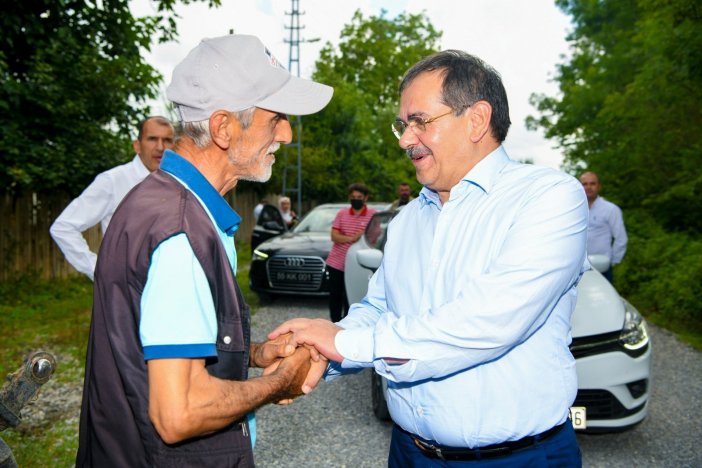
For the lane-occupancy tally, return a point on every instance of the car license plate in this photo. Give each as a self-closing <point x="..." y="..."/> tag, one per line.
<point x="578" y="417"/>
<point x="293" y="277"/>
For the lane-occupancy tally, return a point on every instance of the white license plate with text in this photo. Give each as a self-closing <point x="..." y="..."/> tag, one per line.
<point x="578" y="417"/>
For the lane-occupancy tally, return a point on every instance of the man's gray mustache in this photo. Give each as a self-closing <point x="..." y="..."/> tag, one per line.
<point x="412" y="152"/>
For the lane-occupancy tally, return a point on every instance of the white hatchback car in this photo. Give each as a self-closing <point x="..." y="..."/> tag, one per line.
<point x="610" y="341"/>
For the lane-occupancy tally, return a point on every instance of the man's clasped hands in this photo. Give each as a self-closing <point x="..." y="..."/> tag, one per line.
<point x="299" y="350"/>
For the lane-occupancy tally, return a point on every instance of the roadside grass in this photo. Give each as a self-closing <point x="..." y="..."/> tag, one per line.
<point x="54" y="316"/>
<point x="51" y="316"/>
<point x="690" y="333"/>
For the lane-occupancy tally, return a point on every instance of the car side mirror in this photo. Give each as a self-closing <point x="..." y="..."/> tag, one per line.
<point x="600" y="263"/>
<point x="370" y="258"/>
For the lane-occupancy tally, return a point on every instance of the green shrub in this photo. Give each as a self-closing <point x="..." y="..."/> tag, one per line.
<point x="662" y="274"/>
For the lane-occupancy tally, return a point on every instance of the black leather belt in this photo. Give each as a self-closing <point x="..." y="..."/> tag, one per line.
<point x="490" y="451"/>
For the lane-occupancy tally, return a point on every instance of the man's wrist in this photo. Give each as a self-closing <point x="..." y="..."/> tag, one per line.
<point x="355" y="344"/>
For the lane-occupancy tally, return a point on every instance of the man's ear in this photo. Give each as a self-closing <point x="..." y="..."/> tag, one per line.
<point x="136" y="144"/>
<point x="221" y="129"/>
<point x="480" y="115"/>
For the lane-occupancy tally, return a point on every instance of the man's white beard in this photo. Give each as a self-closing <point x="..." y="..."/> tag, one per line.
<point x="263" y="177"/>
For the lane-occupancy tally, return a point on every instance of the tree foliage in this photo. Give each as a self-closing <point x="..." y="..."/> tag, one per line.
<point x="629" y="109"/>
<point x="73" y="83"/>
<point x="630" y="103"/>
<point x="351" y="140"/>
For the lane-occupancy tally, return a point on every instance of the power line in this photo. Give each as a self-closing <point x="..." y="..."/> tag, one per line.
<point x="296" y="124"/>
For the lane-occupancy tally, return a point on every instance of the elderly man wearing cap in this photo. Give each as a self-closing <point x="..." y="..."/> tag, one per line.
<point x="166" y="372"/>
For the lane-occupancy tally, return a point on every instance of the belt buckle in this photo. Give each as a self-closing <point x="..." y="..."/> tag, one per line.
<point x="427" y="447"/>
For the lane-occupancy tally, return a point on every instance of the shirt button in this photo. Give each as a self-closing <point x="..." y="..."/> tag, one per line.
<point x="420" y="411"/>
<point x="227" y="339"/>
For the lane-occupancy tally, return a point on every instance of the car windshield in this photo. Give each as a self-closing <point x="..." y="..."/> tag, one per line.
<point x="321" y="218"/>
<point x="318" y="220"/>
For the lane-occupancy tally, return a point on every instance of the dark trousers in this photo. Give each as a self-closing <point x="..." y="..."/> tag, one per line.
<point x="338" y="303"/>
<point x="561" y="450"/>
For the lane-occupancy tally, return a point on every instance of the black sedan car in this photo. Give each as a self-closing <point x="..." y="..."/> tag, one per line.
<point x="294" y="263"/>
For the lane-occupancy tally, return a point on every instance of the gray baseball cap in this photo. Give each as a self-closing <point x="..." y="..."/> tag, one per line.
<point x="236" y="72"/>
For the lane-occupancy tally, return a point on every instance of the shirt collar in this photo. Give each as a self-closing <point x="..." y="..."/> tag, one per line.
<point x="482" y="175"/>
<point x="140" y="167"/>
<point x="428" y="196"/>
<point x="226" y="218"/>
<point x="485" y="173"/>
<point x="362" y="213"/>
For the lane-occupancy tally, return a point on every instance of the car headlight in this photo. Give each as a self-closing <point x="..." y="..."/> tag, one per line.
<point x="258" y="255"/>
<point x="634" y="334"/>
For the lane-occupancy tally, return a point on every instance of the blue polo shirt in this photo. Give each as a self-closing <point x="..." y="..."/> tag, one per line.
<point x="176" y="290"/>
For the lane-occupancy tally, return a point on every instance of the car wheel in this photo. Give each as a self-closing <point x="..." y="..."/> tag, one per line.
<point x="380" y="406"/>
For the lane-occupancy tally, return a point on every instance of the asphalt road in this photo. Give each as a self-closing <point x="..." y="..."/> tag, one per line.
<point x="335" y="426"/>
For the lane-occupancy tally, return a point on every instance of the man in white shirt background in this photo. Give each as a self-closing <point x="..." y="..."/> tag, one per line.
<point x="606" y="234"/>
<point x="100" y="199"/>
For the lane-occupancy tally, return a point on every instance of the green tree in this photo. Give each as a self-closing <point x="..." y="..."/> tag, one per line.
<point x="629" y="109"/>
<point x="351" y="140"/>
<point x="630" y="103"/>
<point x="73" y="83"/>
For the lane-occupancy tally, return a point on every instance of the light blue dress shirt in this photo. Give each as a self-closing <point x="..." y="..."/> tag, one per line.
<point x="477" y="295"/>
<point x="606" y="234"/>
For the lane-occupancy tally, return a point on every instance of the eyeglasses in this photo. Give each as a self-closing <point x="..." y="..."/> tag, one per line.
<point x="417" y="124"/>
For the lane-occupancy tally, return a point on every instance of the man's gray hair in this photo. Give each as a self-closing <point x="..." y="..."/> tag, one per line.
<point x="199" y="131"/>
<point x="466" y="80"/>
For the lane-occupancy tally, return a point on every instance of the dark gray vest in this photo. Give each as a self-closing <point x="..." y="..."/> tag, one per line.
<point x="115" y="429"/>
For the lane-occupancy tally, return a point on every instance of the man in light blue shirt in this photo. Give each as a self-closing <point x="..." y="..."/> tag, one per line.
<point x="469" y="315"/>
<point x="606" y="234"/>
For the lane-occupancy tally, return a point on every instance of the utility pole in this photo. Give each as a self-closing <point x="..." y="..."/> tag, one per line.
<point x="295" y="147"/>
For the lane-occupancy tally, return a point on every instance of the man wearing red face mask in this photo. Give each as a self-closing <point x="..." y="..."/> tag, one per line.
<point x="347" y="228"/>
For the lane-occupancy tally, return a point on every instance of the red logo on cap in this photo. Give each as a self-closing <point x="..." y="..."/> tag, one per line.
<point x="274" y="61"/>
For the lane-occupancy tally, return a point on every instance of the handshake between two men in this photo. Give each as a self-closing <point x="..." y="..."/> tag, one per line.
<point x="298" y="350"/>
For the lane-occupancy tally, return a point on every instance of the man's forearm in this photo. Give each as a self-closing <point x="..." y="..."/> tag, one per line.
<point x="340" y="238"/>
<point x="74" y="247"/>
<point x="217" y="404"/>
<point x="185" y="401"/>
